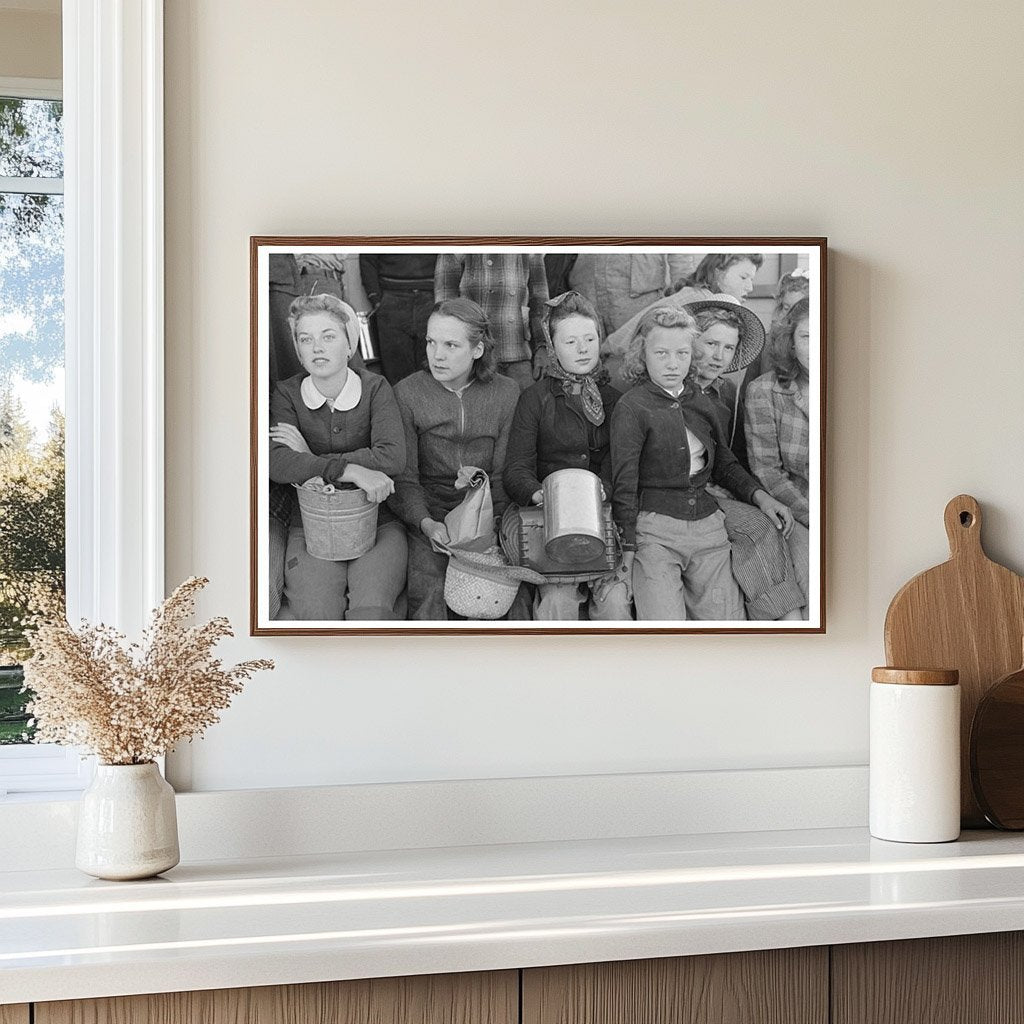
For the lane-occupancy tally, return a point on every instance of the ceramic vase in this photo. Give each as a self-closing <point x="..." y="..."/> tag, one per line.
<point x="127" y="825"/>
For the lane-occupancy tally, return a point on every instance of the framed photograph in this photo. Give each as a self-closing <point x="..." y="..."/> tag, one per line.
<point x="537" y="435"/>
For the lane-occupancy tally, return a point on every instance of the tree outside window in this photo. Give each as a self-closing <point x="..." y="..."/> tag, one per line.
<point x="32" y="544"/>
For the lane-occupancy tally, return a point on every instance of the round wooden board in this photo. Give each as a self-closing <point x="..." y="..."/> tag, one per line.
<point x="997" y="752"/>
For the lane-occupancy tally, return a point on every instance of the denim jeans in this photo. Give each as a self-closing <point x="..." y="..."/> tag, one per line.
<point x="426" y="580"/>
<point x="683" y="569"/>
<point x="427" y="570"/>
<point x="557" y="602"/>
<point x="402" y="332"/>
<point x="800" y="550"/>
<point x="520" y="371"/>
<point x="278" y="538"/>
<point x="367" y="587"/>
<point x="761" y="562"/>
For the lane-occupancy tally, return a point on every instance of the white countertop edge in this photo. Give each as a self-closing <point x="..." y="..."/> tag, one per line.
<point x="499" y="952"/>
<point x="231" y="924"/>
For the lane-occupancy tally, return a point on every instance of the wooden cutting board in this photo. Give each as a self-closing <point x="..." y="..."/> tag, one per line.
<point x="967" y="614"/>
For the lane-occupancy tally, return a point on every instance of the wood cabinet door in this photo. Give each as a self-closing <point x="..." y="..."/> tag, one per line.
<point x="960" y="979"/>
<point x="480" y="998"/>
<point x="14" y="1014"/>
<point x="777" y="986"/>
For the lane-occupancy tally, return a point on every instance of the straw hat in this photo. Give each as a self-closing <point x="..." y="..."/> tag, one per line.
<point x="751" y="330"/>
<point x="482" y="585"/>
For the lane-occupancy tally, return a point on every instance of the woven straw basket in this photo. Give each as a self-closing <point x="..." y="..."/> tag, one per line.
<point x="479" y="595"/>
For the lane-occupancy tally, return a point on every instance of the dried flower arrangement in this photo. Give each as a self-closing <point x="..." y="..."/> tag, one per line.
<point x="129" y="704"/>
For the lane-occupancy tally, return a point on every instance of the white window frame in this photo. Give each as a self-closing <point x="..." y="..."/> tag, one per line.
<point x="114" y="334"/>
<point x="31" y="89"/>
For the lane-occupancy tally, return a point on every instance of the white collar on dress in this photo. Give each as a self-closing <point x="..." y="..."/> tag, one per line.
<point x="348" y="398"/>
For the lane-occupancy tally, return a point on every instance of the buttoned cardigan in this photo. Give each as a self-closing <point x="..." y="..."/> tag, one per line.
<point x="370" y="434"/>
<point x="651" y="457"/>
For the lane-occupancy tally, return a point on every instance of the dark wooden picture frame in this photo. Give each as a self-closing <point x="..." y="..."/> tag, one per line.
<point x="810" y="253"/>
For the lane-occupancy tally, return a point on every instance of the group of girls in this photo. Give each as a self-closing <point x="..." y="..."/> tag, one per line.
<point x="707" y="475"/>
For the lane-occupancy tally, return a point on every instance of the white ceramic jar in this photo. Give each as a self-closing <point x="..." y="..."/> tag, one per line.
<point x="127" y="823"/>
<point x="915" y="755"/>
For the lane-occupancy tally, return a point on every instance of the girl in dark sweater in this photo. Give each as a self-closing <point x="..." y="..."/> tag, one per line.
<point x="457" y="414"/>
<point x="564" y="422"/>
<point x="343" y="426"/>
<point x="667" y="444"/>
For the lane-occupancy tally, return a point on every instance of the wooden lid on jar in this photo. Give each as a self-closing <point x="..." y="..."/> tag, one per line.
<point x="916" y="676"/>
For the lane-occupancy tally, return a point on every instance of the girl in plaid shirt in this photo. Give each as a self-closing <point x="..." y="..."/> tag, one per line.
<point x="511" y="288"/>
<point x="778" y="427"/>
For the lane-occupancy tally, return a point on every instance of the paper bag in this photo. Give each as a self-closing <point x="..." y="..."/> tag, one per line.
<point x="470" y="524"/>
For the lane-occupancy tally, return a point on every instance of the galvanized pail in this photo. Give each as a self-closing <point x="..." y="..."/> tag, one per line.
<point x="339" y="525"/>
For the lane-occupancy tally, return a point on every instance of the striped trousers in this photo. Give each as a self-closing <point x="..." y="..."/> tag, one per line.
<point x="761" y="562"/>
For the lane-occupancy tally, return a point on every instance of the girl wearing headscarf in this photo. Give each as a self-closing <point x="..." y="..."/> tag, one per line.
<point x="564" y="422"/>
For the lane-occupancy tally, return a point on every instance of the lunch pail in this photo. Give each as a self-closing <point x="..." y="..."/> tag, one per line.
<point x="573" y="520"/>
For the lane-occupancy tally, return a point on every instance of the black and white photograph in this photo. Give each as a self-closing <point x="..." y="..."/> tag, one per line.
<point x="537" y="435"/>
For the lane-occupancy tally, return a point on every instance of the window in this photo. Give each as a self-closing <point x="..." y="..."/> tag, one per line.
<point x="32" y="533"/>
<point x="113" y="331"/>
<point x="31" y="382"/>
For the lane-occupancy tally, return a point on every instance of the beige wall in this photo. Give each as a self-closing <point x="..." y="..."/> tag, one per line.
<point x="894" y="129"/>
<point x="29" y="44"/>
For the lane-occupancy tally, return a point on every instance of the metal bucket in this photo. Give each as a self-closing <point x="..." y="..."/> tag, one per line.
<point x="573" y="523"/>
<point x="339" y="525"/>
